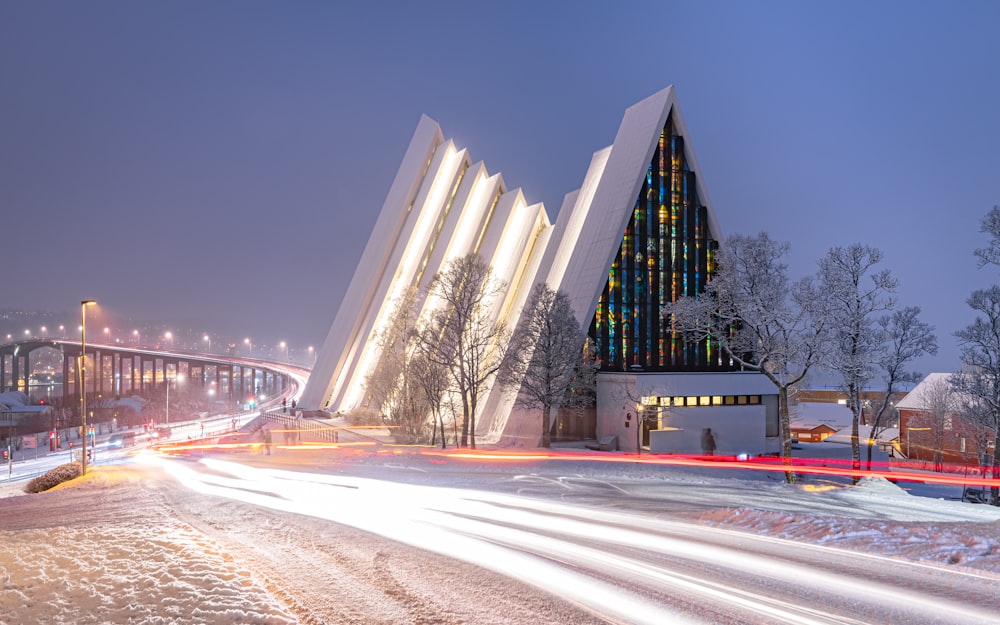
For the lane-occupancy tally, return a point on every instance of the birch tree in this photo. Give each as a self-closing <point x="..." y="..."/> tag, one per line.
<point x="906" y="338"/>
<point x="979" y="380"/>
<point x="855" y="295"/>
<point x="938" y="407"/>
<point x="758" y="318"/>
<point x="546" y="357"/>
<point x="462" y="336"/>
<point x="990" y="225"/>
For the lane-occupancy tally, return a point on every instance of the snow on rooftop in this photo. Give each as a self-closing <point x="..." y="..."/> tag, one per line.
<point x="812" y="414"/>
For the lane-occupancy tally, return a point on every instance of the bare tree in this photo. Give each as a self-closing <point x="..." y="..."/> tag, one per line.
<point x="905" y="338"/>
<point x="979" y="380"/>
<point x="391" y="389"/>
<point x="461" y="334"/>
<point x="938" y="403"/>
<point x="855" y="294"/>
<point x="384" y="383"/>
<point x="432" y="379"/>
<point x="758" y="318"/>
<point x="990" y="225"/>
<point x="545" y="359"/>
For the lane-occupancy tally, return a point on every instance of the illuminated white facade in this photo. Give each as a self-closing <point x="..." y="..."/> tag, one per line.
<point x="443" y="206"/>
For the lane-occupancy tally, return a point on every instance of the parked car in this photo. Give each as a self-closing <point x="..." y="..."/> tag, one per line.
<point x="162" y="432"/>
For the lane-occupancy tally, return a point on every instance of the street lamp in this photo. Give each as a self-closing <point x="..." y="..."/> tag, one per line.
<point x="208" y="340"/>
<point x="83" y="374"/>
<point x="284" y="348"/>
<point x="107" y="335"/>
<point x="249" y="345"/>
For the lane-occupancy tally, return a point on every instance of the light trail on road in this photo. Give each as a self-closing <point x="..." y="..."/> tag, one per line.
<point x="624" y="566"/>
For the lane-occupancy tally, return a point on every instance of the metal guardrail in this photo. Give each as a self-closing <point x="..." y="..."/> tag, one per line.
<point x="311" y="429"/>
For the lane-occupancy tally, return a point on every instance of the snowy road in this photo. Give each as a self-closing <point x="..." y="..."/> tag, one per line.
<point x="617" y="561"/>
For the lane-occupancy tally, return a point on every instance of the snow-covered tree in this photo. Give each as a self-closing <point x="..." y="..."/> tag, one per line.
<point x="855" y="294"/>
<point x="546" y="359"/>
<point x="938" y="407"/>
<point x="758" y="317"/>
<point x="905" y="338"/>
<point x="990" y="225"/>
<point x="462" y="336"/>
<point x="979" y="380"/>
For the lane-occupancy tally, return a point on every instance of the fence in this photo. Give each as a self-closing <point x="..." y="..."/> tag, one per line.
<point x="306" y="429"/>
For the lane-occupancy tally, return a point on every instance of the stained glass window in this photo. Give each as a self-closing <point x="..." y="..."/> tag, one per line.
<point x="667" y="251"/>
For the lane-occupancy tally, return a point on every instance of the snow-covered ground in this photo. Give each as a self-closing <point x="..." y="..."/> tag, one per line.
<point x="128" y="544"/>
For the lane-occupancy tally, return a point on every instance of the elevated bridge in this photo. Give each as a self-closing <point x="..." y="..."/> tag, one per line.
<point x="115" y="370"/>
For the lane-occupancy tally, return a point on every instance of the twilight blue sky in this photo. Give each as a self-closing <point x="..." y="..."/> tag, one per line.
<point x="223" y="162"/>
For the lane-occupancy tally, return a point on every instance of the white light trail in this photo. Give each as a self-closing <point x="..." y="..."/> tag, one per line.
<point x="553" y="546"/>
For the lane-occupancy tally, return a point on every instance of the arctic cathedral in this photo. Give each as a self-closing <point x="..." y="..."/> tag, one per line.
<point x="640" y="232"/>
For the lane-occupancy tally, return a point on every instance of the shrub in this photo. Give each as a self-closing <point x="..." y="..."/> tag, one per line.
<point x="55" y="477"/>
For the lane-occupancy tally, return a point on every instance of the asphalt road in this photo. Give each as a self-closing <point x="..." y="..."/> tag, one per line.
<point x="618" y="555"/>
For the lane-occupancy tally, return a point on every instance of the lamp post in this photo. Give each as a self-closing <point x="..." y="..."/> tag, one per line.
<point x="208" y="340"/>
<point x="83" y="375"/>
<point x="284" y="348"/>
<point x="249" y="345"/>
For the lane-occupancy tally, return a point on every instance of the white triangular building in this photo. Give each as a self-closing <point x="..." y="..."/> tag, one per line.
<point x="640" y="232"/>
